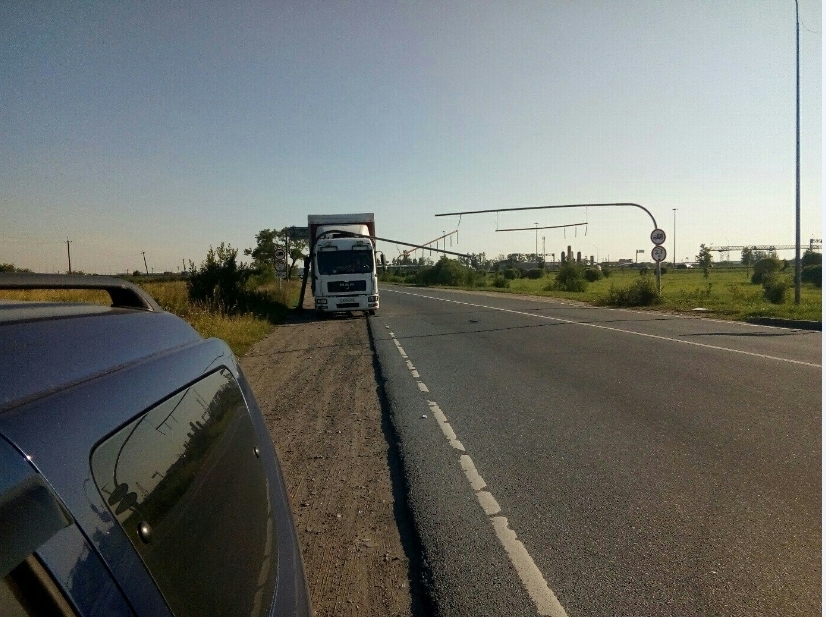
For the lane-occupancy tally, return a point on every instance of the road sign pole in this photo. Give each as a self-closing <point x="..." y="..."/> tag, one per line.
<point x="659" y="279"/>
<point x="658" y="254"/>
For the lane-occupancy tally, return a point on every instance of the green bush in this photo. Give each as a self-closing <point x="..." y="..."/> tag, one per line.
<point x="448" y="272"/>
<point x="394" y="276"/>
<point x="474" y="278"/>
<point x="500" y="281"/>
<point x="220" y="281"/>
<point x="810" y="258"/>
<point x="606" y="271"/>
<point x="643" y="292"/>
<point x="811" y="274"/>
<point x="765" y="268"/>
<point x="570" y="277"/>
<point x="261" y="276"/>
<point x="534" y="273"/>
<point x="644" y="269"/>
<point x="774" y="289"/>
<point x="511" y="273"/>
<point x="592" y="274"/>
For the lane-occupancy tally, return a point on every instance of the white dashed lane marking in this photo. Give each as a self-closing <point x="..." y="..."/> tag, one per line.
<point x="532" y="579"/>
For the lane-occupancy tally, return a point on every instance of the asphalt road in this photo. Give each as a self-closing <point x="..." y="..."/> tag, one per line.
<point x="571" y="460"/>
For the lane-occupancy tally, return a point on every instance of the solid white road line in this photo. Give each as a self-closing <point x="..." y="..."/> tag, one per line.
<point x="613" y="329"/>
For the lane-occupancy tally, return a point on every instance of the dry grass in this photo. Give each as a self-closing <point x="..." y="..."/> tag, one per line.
<point x="85" y="296"/>
<point x="239" y="331"/>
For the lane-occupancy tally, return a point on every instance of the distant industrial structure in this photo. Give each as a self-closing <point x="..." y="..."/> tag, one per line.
<point x="815" y="244"/>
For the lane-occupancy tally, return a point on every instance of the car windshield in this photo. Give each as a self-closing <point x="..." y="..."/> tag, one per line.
<point x="345" y="262"/>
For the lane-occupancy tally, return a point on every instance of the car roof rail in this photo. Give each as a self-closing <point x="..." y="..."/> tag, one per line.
<point x="123" y="293"/>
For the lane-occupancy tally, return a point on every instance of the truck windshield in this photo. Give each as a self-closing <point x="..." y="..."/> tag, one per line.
<point x="345" y="262"/>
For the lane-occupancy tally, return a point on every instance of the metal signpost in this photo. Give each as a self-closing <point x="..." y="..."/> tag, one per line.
<point x="658" y="254"/>
<point x="280" y="264"/>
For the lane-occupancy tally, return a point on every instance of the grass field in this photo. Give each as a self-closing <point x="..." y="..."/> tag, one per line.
<point x="727" y="292"/>
<point x="239" y="331"/>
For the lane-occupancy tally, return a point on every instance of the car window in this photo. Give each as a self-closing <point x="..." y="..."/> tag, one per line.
<point x="185" y="483"/>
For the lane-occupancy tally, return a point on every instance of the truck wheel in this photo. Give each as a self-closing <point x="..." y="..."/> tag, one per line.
<point x="371" y="312"/>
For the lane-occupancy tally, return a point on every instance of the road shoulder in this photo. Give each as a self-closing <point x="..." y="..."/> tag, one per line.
<point x="315" y="383"/>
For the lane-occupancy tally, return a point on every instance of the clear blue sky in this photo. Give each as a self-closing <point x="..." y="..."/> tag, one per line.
<point x="169" y="127"/>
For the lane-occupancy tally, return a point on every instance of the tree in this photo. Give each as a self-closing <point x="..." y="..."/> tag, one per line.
<point x="758" y="255"/>
<point x="402" y="260"/>
<point x="266" y="241"/>
<point x="704" y="259"/>
<point x="747" y="256"/>
<point x="264" y="252"/>
<point x="475" y="261"/>
<point x="811" y="258"/>
<point x="12" y="268"/>
<point x="220" y="279"/>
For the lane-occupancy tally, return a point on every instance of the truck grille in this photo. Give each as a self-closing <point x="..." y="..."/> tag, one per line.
<point x="346" y="286"/>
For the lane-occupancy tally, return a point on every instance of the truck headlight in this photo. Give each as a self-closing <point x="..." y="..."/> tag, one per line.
<point x="321" y="301"/>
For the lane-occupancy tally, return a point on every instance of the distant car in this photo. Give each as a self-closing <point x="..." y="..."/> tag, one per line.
<point x="137" y="476"/>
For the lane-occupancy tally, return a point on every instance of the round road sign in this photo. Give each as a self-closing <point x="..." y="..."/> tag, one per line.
<point x="658" y="253"/>
<point x="658" y="236"/>
<point x="280" y="265"/>
<point x="280" y="253"/>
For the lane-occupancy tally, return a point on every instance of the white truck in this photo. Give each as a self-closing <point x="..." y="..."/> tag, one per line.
<point x="343" y="262"/>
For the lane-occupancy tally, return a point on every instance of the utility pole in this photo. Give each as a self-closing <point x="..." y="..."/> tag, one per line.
<point x="536" y="240"/>
<point x="674" y="245"/>
<point x="69" y="253"/>
<point x="144" y="262"/>
<point x="797" y="273"/>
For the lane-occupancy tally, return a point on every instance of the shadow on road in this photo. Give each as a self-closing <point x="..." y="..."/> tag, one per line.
<point x="418" y="575"/>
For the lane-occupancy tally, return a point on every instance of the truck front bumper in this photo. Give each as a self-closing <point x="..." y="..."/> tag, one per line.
<point x="334" y="304"/>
